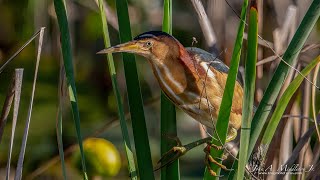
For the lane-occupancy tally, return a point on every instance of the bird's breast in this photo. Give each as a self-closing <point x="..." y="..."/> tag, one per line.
<point x="195" y="81"/>
<point x="187" y="89"/>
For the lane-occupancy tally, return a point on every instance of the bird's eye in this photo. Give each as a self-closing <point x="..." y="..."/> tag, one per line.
<point x="148" y="44"/>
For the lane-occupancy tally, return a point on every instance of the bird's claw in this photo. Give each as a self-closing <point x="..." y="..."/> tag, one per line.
<point x="210" y="145"/>
<point x="209" y="159"/>
<point x="212" y="173"/>
<point x="224" y="157"/>
<point x="179" y="150"/>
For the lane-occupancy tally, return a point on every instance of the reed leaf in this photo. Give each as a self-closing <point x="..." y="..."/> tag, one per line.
<point x="60" y="10"/>
<point x="60" y="142"/>
<point x="113" y="75"/>
<point x="282" y="104"/>
<point x="315" y="110"/>
<point x="7" y="106"/>
<point x="249" y="88"/>
<point x="18" y="77"/>
<point x="168" y="111"/>
<point x="10" y="94"/>
<point x="18" y="174"/>
<point x="19" y="50"/>
<point x="139" y="127"/>
<point x="62" y="94"/>
<point x="273" y="89"/>
<point x="225" y="108"/>
<point x="290" y="56"/>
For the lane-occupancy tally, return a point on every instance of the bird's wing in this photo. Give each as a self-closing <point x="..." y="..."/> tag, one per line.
<point x="213" y="60"/>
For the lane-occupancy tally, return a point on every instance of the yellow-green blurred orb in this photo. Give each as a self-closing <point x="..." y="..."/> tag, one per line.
<point x="102" y="158"/>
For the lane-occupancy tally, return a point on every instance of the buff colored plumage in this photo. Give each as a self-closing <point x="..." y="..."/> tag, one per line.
<point x="193" y="79"/>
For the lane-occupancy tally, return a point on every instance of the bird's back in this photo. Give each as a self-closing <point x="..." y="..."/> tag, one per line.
<point x="214" y="84"/>
<point x="213" y="60"/>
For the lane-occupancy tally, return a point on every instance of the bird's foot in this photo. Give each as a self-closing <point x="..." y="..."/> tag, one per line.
<point x="209" y="159"/>
<point x="177" y="151"/>
<point x="211" y="145"/>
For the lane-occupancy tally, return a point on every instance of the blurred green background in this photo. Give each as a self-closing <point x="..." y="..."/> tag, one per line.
<point x="20" y="19"/>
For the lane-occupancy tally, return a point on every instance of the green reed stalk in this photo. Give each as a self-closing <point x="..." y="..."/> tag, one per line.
<point x="273" y="89"/>
<point x="139" y="127"/>
<point x="249" y="87"/>
<point x="225" y="108"/>
<point x="60" y="9"/>
<point x="113" y="75"/>
<point x="168" y="111"/>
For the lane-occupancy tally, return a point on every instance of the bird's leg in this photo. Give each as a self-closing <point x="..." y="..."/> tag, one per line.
<point x="232" y="134"/>
<point x="209" y="159"/>
<point x="209" y="144"/>
<point x="174" y="153"/>
<point x="179" y="150"/>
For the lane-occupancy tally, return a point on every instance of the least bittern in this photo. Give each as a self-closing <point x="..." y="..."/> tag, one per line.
<point x="193" y="79"/>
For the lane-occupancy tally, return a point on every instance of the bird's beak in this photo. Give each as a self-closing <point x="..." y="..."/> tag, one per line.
<point x="130" y="47"/>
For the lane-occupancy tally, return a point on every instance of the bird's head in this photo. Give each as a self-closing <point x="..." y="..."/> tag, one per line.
<point x="154" y="45"/>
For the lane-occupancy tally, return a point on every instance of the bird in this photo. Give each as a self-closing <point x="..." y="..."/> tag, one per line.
<point x="192" y="78"/>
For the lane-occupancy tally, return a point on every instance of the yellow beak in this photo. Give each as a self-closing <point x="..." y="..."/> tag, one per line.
<point x="129" y="47"/>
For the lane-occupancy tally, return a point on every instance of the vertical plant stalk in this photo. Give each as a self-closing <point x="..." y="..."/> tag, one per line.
<point x="304" y="156"/>
<point x="168" y="111"/>
<point x="282" y="37"/>
<point x="219" y="137"/>
<point x="60" y="142"/>
<point x="205" y="24"/>
<point x="249" y="87"/>
<point x="139" y="127"/>
<point x="259" y="76"/>
<point x="62" y="94"/>
<point x="6" y="107"/>
<point x="18" y="174"/>
<point x="314" y="113"/>
<point x="68" y="65"/>
<point x="17" y="80"/>
<point x="113" y="75"/>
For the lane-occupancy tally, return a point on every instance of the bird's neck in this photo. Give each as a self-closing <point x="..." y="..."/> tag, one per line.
<point x="174" y="73"/>
<point x="170" y="75"/>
